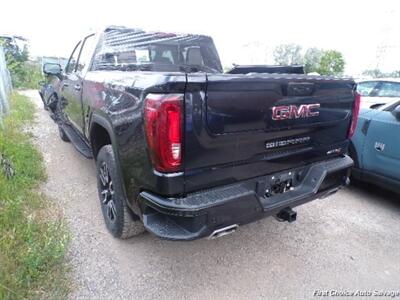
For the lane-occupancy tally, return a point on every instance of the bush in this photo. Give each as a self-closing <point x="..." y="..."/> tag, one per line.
<point x="33" y="75"/>
<point x="25" y="75"/>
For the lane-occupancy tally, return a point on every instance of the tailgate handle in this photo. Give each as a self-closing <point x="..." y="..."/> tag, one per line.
<point x="300" y="88"/>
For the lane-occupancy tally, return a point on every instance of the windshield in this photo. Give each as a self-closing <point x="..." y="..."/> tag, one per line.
<point x="131" y="50"/>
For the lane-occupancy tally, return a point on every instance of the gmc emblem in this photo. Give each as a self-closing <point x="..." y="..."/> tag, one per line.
<point x="303" y="111"/>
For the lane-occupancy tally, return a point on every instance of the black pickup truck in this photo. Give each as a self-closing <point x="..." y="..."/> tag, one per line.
<point x="189" y="151"/>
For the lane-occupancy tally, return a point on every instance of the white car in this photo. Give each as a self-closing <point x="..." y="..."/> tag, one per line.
<point x="376" y="92"/>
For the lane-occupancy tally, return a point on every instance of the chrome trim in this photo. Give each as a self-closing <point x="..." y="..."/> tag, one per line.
<point x="177" y="174"/>
<point x="223" y="231"/>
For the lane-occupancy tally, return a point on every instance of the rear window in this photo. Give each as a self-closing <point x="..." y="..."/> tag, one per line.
<point x="131" y="50"/>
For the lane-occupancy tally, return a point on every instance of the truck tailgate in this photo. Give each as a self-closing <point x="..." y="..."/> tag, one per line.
<point x="243" y="126"/>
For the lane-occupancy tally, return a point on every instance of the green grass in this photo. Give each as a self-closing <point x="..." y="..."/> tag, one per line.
<point x="33" y="235"/>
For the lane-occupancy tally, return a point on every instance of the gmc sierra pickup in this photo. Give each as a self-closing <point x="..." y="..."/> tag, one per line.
<point x="189" y="151"/>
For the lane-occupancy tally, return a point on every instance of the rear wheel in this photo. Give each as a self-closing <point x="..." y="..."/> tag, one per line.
<point x="119" y="219"/>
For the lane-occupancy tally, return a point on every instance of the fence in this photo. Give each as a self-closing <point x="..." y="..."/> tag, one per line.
<point x="5" y="86"/>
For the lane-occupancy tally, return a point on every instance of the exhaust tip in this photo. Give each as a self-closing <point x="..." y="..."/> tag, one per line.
<point x="223" y="231"/>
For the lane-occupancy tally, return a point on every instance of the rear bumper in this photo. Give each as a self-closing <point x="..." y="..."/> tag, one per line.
<point x="199" y="214"/>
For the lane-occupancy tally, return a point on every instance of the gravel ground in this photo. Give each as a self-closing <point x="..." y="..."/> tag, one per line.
<point x="350" y="241"/>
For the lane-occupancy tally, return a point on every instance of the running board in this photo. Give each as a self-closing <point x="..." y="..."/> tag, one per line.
<point x="77" y="141"/>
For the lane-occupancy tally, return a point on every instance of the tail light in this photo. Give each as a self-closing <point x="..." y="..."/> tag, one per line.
<point x="163" y="126"/>
<point x="354" y="118"/>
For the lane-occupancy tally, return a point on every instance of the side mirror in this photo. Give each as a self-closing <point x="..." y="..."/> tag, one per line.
<point x="396" y="112"/>
<point x="52" y="69"/>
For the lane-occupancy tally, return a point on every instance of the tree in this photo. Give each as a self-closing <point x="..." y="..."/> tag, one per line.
<point x="16" y="59"/>
<point x="312" y="59"/>
<point x="24" y="74"/>
<point x="288" y="54"/>
<point x="374" y="73"/>
<point x="395" y="74"/>
<point x="332" y="63"/>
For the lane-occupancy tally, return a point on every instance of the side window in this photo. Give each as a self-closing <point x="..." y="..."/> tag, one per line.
<point x="71" y="67"/>
<point x="86" y="53"/>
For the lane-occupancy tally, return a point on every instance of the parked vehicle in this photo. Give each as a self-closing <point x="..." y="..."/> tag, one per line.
<point x="191" y="152"/>
<point x="375" y="148"/>
<point x="378" y="91"/>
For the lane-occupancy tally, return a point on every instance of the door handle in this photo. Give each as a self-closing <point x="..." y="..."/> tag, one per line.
<point x="77" y="87"/>
<point x="65" y="84"/>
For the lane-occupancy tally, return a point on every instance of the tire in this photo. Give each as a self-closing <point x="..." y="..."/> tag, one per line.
<point x="62" y="134"/>
<point x="119" y="219"/>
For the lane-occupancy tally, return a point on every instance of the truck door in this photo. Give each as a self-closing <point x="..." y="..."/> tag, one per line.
<point x="83" y="66"/>
<point x="71" y="91"/>
<point x="382" y="145"/>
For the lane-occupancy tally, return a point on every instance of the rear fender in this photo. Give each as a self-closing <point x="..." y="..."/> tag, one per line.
<point x="106" y="124"/>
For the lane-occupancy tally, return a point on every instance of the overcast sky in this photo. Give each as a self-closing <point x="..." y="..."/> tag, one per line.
<point x="244" y="31"/>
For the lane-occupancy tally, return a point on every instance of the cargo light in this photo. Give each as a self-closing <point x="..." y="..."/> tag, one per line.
<point x="163" y="126"/>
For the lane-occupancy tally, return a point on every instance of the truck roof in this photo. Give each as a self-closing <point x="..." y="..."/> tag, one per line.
<point x="132" y="48"/>
<point x="124" y="35"/>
